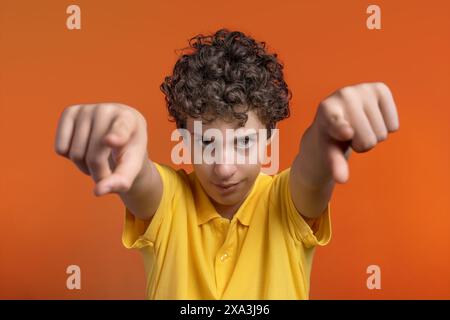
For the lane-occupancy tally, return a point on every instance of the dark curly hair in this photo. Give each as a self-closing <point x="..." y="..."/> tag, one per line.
<point x="224" y="71"/>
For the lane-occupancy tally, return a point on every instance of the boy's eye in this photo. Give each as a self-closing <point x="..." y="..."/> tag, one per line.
<point x="206" y="142"/>
<point x="244" y="142"/>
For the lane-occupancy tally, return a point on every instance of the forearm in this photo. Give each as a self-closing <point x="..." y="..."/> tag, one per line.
<point x="309" y="199"/>
<point x="144" y="195"/>
<point x="311" y="180"/>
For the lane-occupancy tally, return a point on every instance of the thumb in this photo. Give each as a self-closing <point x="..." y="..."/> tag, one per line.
<point x="338" y="163"/>
<point x="114" y="183"/>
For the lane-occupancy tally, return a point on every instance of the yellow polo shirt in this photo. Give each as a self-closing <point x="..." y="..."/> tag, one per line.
<point x="190" y="252"/>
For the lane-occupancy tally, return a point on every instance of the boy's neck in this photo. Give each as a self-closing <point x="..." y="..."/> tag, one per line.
<point x="227" y="211"/>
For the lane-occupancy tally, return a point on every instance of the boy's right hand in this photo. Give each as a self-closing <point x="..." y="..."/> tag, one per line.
<point x="107" y="141"/>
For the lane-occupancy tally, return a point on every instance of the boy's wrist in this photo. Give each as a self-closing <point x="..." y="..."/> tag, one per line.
<point x="141" y="179"/>
<point x="313" y="169"/>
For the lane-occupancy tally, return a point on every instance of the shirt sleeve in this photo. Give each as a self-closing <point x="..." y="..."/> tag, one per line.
<point x="312" y="232"/>
<point x="139" y="233"/>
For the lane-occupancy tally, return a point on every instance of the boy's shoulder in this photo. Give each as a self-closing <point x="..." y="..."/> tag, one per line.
<point x="172" y="175"/>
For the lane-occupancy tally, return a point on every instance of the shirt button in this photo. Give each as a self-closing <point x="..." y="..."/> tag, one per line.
<point x="224" y="257"/>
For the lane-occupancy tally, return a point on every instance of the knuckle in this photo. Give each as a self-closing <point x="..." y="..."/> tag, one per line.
<point x="70" y="111"/>
<point x="85" y="111"/>
<point x="135" y="113"/>
<point x="75" y="156"/>
<point x="382" y="88"/>
<point x="326" y="105"/>
<point x="368" y="91"/>
<point x="126" y="112"/>
<point x="346" y="92"/>
<point x="369" y="144"/>
<point x="382" y="136"/>
<point x="365" y="86"/>
<point x="126" y="116"/>
<point x="364" y="145"/>
<point x="381" y="85"/>
<point x="140" y="119"/>
<point x="60" y="151"/>
<point x="329" y="110"/>
<point x="102" y="112"/>
<point x="73" y="107"/>
<point x="395" y="127"/>
<point x="107" y="108"/>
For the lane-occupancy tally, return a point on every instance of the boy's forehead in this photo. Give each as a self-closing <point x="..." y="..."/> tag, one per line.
<point x="253" y="122"/>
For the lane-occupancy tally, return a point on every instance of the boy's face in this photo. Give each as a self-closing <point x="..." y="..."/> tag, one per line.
<point x="227" y="182"/>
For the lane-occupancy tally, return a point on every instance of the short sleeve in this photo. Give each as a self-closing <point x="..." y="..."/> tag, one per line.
<point x="312" y="233"/>
<point x="139" y="233"/>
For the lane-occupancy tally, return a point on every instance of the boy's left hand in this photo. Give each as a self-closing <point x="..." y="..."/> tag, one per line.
<point x="356" y="117"/>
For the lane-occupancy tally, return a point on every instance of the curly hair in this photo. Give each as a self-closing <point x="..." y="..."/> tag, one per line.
<point x="226" y="75"/>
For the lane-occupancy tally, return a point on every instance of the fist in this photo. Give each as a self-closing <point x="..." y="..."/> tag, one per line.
<point x="107" y="141"/>
<point x="356" y="117"/>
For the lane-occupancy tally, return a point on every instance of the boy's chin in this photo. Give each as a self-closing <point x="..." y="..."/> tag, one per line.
<point x="230" y="199"/>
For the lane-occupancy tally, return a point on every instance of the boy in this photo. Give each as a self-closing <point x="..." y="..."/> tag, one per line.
<point x="226" y="230"/>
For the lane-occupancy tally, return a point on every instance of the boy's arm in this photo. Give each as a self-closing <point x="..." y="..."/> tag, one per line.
<point x="108" y="141"/>
<point x="354" y="117"/>
<point x="144" y="196"/>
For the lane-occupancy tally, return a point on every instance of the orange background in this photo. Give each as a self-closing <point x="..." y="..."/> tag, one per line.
<point x="394" y="212"/>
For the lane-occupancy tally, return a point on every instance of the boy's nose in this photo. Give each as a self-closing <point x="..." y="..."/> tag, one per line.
<point x="226" y="166"/>
<point x="224" y="171"/>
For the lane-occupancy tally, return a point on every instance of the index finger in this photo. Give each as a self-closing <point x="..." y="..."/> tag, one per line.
<point x="129" y="160"/>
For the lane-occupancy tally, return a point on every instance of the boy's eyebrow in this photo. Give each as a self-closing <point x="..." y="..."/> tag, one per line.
<point x="199" y="136"/>
<point x="250" y="134"/>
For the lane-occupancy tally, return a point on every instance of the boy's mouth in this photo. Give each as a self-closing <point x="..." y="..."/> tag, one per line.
<point x="227" y="187"/>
